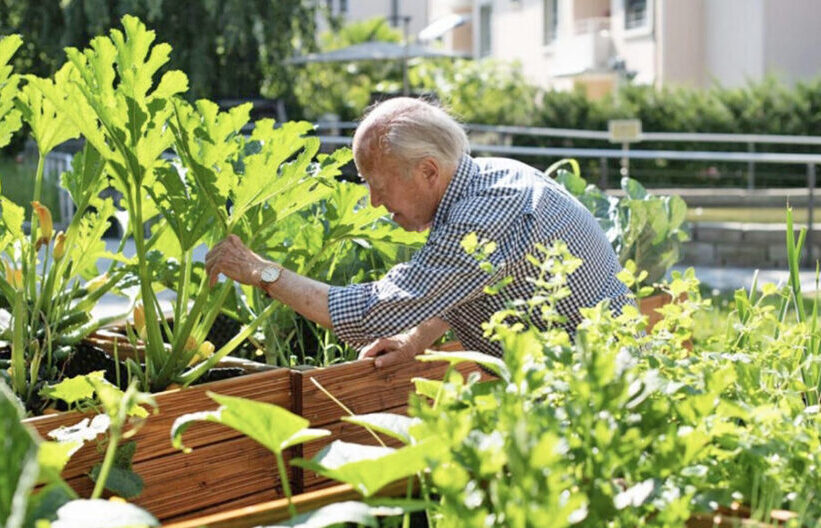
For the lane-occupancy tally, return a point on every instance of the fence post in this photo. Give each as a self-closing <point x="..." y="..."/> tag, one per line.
<point x="810" y="211"/>
<point x="603" y="173"/>
<point x="625" y="161"/>
<point x="751" y="167"/>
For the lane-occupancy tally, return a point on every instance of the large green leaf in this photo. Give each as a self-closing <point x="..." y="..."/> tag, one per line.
<point x="369" y="468"/>
<point x="266" y="176"/>
<point x="49" y="125"/>
<point x="9" y="115"/>
<point x="72" y="390"/>
<point x="18" y="465"/>
<point x="393" y="425"/>
<point x="53" y="457"/>
<point x="270" y="425"/>
<point x="99" y="513"/>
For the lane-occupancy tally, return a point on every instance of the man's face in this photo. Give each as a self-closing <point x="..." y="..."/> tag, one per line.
<point x="410" y="196"/>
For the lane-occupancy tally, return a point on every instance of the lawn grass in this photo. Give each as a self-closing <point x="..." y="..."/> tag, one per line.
<point x="17" y="184"/>
<point x="767" y="215"/>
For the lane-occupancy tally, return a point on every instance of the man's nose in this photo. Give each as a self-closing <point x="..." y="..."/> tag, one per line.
<point x="375" y="199"/>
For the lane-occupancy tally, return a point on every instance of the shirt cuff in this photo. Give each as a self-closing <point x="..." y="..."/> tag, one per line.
<point x="347" y="307"/>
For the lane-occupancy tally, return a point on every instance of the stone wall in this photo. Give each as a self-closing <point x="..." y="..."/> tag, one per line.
<point x="742" y="245"/>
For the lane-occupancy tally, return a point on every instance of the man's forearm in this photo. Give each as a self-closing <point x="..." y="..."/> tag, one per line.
<point x="426" y="333"/>
<point x="306" y="296"/>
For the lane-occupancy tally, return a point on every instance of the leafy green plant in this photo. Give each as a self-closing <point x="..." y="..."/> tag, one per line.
<point x="642" y="227"/>
<point x="42" y="281"/>
<point x="33" y="461"/>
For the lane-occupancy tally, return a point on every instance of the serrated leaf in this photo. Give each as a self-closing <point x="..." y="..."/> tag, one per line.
<point x="272" y="426"/>
<point x="72" y="390"/>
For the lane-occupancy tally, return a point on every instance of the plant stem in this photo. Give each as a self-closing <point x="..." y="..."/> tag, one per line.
<point x="108" y="461"/>
<point x="286" y="485"/>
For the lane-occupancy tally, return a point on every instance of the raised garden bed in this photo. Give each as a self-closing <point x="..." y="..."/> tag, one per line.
<point x="227" y="470"/>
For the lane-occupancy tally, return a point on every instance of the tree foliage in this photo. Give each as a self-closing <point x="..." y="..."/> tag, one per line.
<point x="228" y="48"/>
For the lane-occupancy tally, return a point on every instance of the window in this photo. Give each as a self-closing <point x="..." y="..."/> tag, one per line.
<point x="485" y="14"/>
<point x="343" y="7"/>
<point x="551" y="21"/>
<point x="635" y="13"/>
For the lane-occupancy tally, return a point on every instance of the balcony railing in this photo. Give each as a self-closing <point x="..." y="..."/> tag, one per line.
<point x="591" y="25"/>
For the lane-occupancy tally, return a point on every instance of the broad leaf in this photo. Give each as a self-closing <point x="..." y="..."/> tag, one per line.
<point x="72" y="390"/>
<point x="53" y="457"/>
<point x="9" y="115"/>
<point x="493" y="364"/>
<point x="82" y="431"/>
<point x="394" y="425"/>
<point x="121" y="482"/>
<point x="369" y="468"/>
<point x="272" y="426"/>
<point x="49" y="125"/>
<point x="18" y="465"/>
<point x="99" y="513"/>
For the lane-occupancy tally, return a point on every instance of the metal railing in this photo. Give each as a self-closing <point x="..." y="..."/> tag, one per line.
<point x="57" y="162"/>
<point x="750" y="140"/>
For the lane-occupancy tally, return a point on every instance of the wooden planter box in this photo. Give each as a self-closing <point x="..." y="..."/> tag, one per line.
<point x="226" y="470"/>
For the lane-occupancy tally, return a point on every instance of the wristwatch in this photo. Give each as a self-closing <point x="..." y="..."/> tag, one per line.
<point x="270" y="274"/>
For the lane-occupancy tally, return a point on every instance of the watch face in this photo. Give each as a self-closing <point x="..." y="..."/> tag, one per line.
<point x="270" y="274"/>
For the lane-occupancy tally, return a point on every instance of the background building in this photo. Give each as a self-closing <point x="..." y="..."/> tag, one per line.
<point x="593" y="44"/>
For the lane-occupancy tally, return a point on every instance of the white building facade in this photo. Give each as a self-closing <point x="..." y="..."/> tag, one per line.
<point x="593" y="44"/>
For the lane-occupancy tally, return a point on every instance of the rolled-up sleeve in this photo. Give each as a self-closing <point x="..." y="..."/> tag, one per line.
<point x="440" y="276"/>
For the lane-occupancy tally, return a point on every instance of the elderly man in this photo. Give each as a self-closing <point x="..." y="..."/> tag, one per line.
<point x="414" y="159"/>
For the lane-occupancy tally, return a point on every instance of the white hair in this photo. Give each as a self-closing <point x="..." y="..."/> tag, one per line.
<point x="410" y="130"/>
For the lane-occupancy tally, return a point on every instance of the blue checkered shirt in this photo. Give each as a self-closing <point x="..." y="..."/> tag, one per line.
<point x="501" y="200"/>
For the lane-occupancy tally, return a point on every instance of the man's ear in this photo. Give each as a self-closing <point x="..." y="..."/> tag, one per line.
<point x="430" y="168"/>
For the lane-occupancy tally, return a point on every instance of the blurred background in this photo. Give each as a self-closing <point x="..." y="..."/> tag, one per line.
<point x="717" y="101"/>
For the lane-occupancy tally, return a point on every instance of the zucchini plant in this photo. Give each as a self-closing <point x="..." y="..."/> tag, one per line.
<point x="42" y="280"/>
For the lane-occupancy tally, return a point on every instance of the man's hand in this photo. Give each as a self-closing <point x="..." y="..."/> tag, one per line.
<point x="234" y="260"/>
<point x="392" y="350"/>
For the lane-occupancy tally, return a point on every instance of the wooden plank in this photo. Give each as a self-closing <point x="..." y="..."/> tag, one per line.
<point x="154" y="440"/>
<point x="363" y="388"/>
<point x="210" y="475"/>
<point x="277" y="510"/>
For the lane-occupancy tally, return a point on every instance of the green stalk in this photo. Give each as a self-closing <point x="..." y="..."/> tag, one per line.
<point x="182" y="292"/>
<point x="286" y="485"/>
<point x="108" y="461"/>
<point x="31" y="276"/>
<point x="18" y="348"/>
<point x="154" y="346"/>
<point x="188" y="377"/>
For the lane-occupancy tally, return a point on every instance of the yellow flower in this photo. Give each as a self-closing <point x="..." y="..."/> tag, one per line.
<point x="204" y="351"/>
<point x="139" y="318"/>
<point x="44" y="216"/>
<point x="96" y="283"/>
<point x="59" y="245"/>
<point x="190" y="343"/>
<point x="14" y="276"/>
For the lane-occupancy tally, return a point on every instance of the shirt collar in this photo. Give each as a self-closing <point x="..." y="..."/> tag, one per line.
<point x="456" y="188"/>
